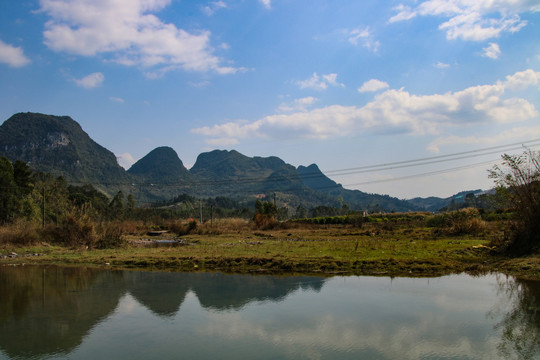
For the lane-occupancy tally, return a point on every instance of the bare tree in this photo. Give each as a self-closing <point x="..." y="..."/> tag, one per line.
<point x="518" y="179"/>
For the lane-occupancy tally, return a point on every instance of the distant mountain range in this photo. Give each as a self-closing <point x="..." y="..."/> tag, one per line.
<point x="58" y="145"/>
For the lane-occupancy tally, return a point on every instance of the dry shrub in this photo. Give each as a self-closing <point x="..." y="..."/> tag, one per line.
<point x="472" y="226"/>
<point x="181" y="228"/>
<point x="20" y="233"/>
<point x="76" y="230"/>
<point x="461" y="222"/>
<point x="265" y="222"/>
<point x="109" y="236"/>
<point x="131" y="227"/>
<point x="231" y="225"/>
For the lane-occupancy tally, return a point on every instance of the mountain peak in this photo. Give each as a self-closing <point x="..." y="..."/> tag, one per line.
<point x="161" y="165"/>
<point x="58" y="145"/>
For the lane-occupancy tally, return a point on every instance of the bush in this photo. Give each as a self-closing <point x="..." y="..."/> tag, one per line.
<point x="180" y="228"/>
<point x="265" y="222"/>
<point x="519" y="186"/>
<point x="20" y="233"/>
<point x="459" y="222"/>
<point x="109" y="236"/>
<point x="75" y="231"/>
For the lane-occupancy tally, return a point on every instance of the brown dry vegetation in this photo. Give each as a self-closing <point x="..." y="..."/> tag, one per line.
<point x="397" y="244"/>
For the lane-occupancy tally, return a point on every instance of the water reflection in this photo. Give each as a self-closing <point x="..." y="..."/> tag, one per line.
<point x="86" y="313"/>
<point x="163" y="293"/>
<point x="50" y="310"/>
<point x="520" y="324"/>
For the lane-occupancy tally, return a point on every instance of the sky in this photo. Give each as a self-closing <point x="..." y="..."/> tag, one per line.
<point x="345" y="84"/>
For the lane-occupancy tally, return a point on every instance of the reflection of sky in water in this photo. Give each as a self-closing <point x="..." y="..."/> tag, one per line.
<point x="349" y="317"/>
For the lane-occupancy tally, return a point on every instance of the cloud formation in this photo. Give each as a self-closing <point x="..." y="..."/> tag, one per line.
<point x="394" y="111"/>
<point x="129" y="32"/>
<point x="90" y="81"/>
<point x="116" y="99"/>
<point x="214" y="6"/>
<point x="505" y="137"/>
<point x="475" y="20"/>
<point x="266" y="3"/>
<point x="373" y="85"/>
<point x="493" y="51"/>
<point x="363" y="37"/>
<point x="297" y="104"/>
<point x="125" y="160"/>
<point x="317" y="82"/>
<point x="12" y="56"/>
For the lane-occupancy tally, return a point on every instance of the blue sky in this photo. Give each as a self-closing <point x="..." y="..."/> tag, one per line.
<point x="343" y="84"/>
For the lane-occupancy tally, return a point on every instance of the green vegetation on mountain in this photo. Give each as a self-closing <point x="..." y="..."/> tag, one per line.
<point x="57" y="145"/>
<point x="161" y="165"/>
<point x="313" y="177"/>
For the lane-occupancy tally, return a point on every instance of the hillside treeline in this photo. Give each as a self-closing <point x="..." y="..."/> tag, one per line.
<point x="43" y="198"/>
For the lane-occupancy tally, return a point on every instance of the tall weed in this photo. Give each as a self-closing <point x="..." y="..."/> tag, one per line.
<point x="20" y="233"/>
<point x="460" y="222"/>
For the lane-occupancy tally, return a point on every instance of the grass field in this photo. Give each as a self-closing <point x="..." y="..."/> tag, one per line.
<point x="392" y="248"/>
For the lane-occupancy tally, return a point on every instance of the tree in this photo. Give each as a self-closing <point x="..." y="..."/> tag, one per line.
<point x="8" y="189"/>
<point x="518" y="180"/>
<point x="117" y="206"/>
<point x="130" y="205"/>
<point x="265" y="214"/>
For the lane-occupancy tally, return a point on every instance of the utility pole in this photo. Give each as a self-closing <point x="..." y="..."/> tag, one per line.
<point x="200" y="207"/>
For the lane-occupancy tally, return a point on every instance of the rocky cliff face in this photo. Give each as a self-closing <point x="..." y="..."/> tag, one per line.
<point x="58" y="145"/>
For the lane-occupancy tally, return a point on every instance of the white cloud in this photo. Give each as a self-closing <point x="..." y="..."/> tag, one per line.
<point x="394" y="111"/>
<point x="116" y="99"/>
<point x="509" y="136"/>
<point x="373" y="85"/>
<point x="125" y="160"/>
<point x="12" y="56"/>
<point x="522" y="80"/>
<point x="364" y="37"/>
<point x="403" y="13"/>
<point x="214" y="6"/>
<point x="475" y="20"/>
<point x="90" y="81"/>
<point x="441" y="65"/>
<point x="239" y="129"/>
<point x="317" y="82"/>
<point x="129" y="32"/>
<point x="266" y="3"/>
<point x="297" y="105"/>
<point x="219" y="142"/>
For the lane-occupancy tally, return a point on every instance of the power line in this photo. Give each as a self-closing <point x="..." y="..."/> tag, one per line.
<point x="453" y="156"/>
<point x="340" y="172"/>
<point x="425" y="174"/>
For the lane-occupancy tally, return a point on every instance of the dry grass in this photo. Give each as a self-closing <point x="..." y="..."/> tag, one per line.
<point x="20" y="233"/>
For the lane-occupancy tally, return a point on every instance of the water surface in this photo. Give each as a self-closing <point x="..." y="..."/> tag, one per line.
<point x="81" y="313"/>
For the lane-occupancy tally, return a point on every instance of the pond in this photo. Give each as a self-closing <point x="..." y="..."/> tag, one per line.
<point x="85" y="313"/>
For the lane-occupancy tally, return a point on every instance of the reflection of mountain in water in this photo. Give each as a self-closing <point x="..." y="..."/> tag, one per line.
<point x="163" y="293"/>
<point x="50" y="310"/>
<point x="219" y="291"/>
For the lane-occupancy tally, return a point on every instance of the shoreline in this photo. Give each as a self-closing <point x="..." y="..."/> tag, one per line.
<point x="328" y="251"/>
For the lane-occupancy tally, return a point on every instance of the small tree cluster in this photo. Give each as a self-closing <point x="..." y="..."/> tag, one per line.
<point x="265" y="214"/>
<point x="518" y="183"/>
